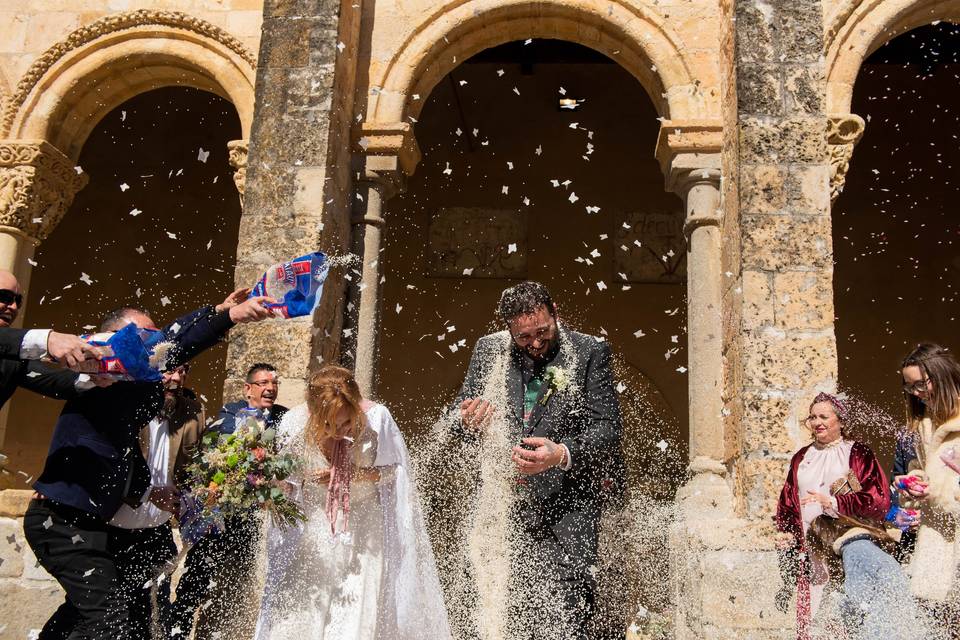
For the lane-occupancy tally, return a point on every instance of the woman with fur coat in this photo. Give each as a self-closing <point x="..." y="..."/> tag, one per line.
<point x="931" y="385"/>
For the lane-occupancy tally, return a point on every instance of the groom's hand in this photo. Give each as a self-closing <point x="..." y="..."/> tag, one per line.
<point x="545" y="455"/>
<point x="475" y="413"/>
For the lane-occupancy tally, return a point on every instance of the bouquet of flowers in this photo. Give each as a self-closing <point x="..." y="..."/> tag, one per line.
<point x="235" y="473"/>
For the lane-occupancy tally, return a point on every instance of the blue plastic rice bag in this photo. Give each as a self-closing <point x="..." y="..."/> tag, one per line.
<point x="131" y="354"/>
<point x="297" y="284"/>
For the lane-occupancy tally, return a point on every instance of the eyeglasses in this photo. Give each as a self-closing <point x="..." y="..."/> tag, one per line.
<point x="916" y="387"/>
<point x="265" y="383"/>
<point x="539" y="335"/>
<point x="9" y="297"/>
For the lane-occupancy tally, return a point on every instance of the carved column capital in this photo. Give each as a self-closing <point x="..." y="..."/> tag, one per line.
<point x="37" y="185"/>
<point x="843" y="133"/>
<point x="237" y="150"/>
<point x="686" y="146"/>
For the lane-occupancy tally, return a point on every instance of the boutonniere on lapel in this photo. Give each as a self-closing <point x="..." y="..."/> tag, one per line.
<point x="556" y="379"/>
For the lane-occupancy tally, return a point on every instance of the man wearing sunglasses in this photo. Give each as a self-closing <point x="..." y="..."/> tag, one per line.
<point x="21" y="348"/>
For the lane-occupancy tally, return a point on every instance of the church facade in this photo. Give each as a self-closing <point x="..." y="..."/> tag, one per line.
<point x="743" y="144"/>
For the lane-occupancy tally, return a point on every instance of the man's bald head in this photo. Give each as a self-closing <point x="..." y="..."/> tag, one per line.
<point x="10" y="300"/>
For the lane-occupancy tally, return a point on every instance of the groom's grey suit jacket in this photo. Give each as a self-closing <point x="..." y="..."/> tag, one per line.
<point x="585" y="417"/>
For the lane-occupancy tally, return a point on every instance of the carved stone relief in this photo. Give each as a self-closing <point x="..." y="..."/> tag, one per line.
<point x="478" y="243"/>
<point x="650" y="248"/>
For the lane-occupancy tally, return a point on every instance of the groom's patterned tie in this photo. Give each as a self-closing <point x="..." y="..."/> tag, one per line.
<point x="530" y="394"/>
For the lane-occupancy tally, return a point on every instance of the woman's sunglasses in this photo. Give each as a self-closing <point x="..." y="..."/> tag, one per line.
<point x="9" y="297"/>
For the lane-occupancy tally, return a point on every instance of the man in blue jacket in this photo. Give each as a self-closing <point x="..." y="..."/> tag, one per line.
<point x="230" y="551"/>
<point x="94" y="465"/>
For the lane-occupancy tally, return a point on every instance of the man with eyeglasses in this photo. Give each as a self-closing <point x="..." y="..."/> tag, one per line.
<point x="226" y="559"/>
<point x="563" y="416"/>
<point x="21" y="348"/>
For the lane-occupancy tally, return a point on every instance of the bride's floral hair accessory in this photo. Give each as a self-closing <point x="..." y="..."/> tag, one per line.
<point x="838" y="402"/>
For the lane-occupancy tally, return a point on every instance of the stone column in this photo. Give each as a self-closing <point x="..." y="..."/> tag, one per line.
<point x="689" y="155"/>
<point x="238" y="160"/>
<point x="368" y="228"/>
<point x="37" y="185"/>
<point x="700" y="189"/>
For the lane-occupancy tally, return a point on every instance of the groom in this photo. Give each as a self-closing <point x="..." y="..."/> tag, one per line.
<point x="565" y="415"/>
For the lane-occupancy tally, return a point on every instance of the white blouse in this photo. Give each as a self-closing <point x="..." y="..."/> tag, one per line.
<point x="822" y="465"/>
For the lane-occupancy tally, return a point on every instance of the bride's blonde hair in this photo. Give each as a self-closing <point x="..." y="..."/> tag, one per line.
<point x="330" y="390"/>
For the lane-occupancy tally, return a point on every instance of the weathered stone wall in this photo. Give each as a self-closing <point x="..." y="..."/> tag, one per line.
<point x="28" y="595"/>
<point x="786" y="325"/>
<point x="298" y="181"/>
<point x="28" y="28"/>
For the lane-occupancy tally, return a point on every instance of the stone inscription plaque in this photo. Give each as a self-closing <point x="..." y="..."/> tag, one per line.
<point x="650" y="248"/>
<point x="467" y="242"/>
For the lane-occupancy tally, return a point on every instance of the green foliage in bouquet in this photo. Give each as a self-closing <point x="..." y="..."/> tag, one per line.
<point x="232" y="474"/>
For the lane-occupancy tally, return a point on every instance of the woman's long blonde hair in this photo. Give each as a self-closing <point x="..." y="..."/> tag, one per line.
<point x="330" y="390"/>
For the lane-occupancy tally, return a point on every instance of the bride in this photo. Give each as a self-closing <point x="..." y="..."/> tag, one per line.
<point x="361" y="566"/>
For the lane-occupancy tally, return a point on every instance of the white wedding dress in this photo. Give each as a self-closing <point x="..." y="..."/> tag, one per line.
<point x="375" y="581"/>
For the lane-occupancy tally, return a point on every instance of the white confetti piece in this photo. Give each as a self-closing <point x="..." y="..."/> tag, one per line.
<point x="135" y="212"/>
<point x="175" y="327"/>
<point x="638" y="333"/>
<point x="468" y="271"/>
<point x="662" y="445"/>
<point x="202" y="156"/>
<point x="48" y="522"/>
<point x="172" y="236"/>
<point x="504" y="190"/>
<point x="124" y="186"/>
<point x="500" y="72"/>
<point x="512" y="247"/>
<point x="593" y="209"/>
<point x="621" y="387"/>
<point x="77" y="539"/>
<point x="78" y="169"/>
<point x="32" y="262"/>
<point x="33" y="374"/>
<point x="601" y="285"/>
<point x="164" y="300"/>
<point x="674" y="339"/>
<point x="516" y="91"/>
<point x="538" y="150"/>
<point x="140" y="250"/>
<point x="86" y="279"/>
<point x="88" y="573"/>
<point x="399" y="308"/>
<point x="573" y="197"/>
<point x="447" y="171"/>
<point x="341" y="47"/>
<point x="681" y="369"/>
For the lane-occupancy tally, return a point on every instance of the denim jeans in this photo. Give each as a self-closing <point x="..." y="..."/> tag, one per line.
<point x="878" y="603"/>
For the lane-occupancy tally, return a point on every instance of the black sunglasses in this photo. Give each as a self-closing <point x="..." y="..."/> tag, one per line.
<point x="9" y="297"/>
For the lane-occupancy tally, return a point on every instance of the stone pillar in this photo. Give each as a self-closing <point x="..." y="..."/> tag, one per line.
<point x="387" y="153"/>
<point x="843" y="134"/>
<point x="238" y="160"/>
<point x="295" y="181"/>
<point x="37" y="185"/>
<point x="701" y="193"/>
<point x="376" y="189"/>
<point x="785" y="266"/>
<point x="689" y="155"/>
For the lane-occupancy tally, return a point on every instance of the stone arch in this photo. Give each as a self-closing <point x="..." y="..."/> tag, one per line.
<point x="69" y="88"/>
<point x="857" y="28"/>
<point x="630" y="34"/>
